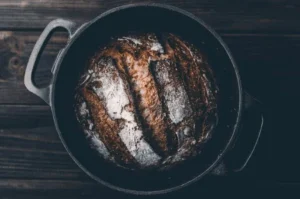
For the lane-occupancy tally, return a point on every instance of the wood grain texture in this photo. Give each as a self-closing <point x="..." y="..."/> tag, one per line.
<point x="25" y="188"/>
<point x="262" y="35"/>
<point x="247" y="15"/>
<point x="31" y="153"/>
<point x="34" y="164"/>
<point x="34" y="159"/>
<point x="257" y="54"/>
<point x="15" y="49"/>
<point x="23" y="116"/>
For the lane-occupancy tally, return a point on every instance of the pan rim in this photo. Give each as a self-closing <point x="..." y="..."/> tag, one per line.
<point x="239" y="86"/>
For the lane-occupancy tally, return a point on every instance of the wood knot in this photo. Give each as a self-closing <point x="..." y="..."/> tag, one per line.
<point x="16" y="67"/>
<point x="12" y="65"/>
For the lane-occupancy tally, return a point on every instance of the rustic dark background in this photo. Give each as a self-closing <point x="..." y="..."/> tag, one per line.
<point x="264" y="36"/>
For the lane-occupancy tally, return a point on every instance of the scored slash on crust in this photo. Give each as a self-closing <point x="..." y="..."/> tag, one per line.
<point x="152" y="100"/>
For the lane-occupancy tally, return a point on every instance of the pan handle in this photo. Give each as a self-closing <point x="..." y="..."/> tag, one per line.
<point x="246" y="140"/>
<point x="44" y="92"/>
<point x="249" y="135"/>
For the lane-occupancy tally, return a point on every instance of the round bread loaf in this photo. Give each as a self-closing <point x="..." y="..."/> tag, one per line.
<point x="147" y="101"/>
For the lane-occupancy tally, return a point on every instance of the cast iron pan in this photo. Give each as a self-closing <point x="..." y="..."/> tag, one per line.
<point x="71" y="60"/>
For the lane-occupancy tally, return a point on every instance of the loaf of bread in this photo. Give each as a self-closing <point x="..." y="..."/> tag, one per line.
<point x="147" y="101"/>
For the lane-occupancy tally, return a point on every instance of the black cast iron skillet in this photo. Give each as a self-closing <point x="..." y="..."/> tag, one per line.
<point x="71" y="60"/>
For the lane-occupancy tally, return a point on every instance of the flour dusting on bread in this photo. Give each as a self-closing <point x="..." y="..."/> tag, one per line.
<point x="147" y="101"/>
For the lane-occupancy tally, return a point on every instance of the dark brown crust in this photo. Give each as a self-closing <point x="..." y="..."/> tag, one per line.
<point x="190" y="73"/>
<point x="170" y="128"/>
<point x="150" y="107"/>
<point x="107" y="129"/>
<point x="144" y="91"/>
<point x="195" y="73"/>
<point x="149" y="104"/>
<point x="210" y="116"/>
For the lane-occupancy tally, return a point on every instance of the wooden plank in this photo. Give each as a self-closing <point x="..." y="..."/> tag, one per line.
<point x="257" y="55"/>
<point x="41" y="185"/>
<point x="23" y="116"/>
<point x="240" y="16"/>
<point x="34" y="164"/>
<point x="64" y="189"/>
<point x="15" y="49"/>
<point x="268" y="66"/>
<point x="33" y="159"/>
<point x="224" y="190"/>
<point x="35" y="153"/>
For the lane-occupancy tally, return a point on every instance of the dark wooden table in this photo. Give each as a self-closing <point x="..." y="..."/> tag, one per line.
<point x="264" y="36"/>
